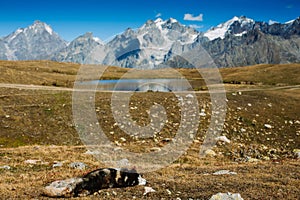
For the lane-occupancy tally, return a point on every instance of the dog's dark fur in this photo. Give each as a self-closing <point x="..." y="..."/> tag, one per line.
<point x="106" y="178"/>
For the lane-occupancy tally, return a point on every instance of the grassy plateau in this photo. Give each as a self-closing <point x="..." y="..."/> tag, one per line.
<point x="262" y="123"/>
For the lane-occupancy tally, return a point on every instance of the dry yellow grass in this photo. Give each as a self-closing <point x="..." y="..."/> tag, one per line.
<point x="31" y="121"/>
<point x="266" y="74"/>
<point x="264" y="180"/>
<point x="63" y="74"/>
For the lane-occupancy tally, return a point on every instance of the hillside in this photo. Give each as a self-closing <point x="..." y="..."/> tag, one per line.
<point x="51" y="73"/>
<point x="262" y="124"/>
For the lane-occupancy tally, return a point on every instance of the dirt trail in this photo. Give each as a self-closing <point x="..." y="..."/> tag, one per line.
<point x="34" y="87"/>
<point x="53" y="88"/>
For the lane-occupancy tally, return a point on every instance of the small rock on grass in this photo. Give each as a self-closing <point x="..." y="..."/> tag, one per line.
<point x="226" y="196"/>
<point x="268" y="126"/>
<point x="32" y="162"/>
<point x="57" y="164"/>
<point x="210" y="153"/>
<point x="78" y="165"/>
<point x="297" y="153"/>
<point x="224" y="172"/>
<point x="223" y="139"/>
<point x="5" y="167"/>
<point x="168" y="191"/>
<point x="148" y="190"/>
<point x="62" y="188"/>
<point x="252" y="160"/>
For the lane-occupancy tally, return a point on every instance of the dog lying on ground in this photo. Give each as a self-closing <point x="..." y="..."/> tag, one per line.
<point x="93" y="182"/>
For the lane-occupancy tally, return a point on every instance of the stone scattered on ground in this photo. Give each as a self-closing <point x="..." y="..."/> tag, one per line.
<point x="7" y="167"/>
<point x="57" y="164"/>
<point x="189" y="96"/>
<point x="62" y="188"/>
<point x="148" y="190"/>
<point x="202" y="114"/>
<point x="32" y="162"/>
<point x="78" y="165"/>
<point x="89" y="152"/>
<point x="252" y="160"/>
<point x="223" y="139"/>
<point x="297" y="153"/>
<point x="210" y="153"/>
<point x="224" y="172"/>
<point x="168" y="192"/>
<point x="226" y="196"/>
<point x="155" y="149"/>
<point x="268" y="126"/>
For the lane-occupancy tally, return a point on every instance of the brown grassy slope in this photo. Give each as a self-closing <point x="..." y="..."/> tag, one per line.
<point x="38" y="72"/>
<point x="64" y="74"/>
<point x="267" y="74"/>
<point x="44" y="117"/>
<point x="265" y="180"/>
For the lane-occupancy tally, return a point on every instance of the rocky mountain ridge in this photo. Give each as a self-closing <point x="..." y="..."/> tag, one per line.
<point x="36" y="42"/>
<point x="238" y="42"/>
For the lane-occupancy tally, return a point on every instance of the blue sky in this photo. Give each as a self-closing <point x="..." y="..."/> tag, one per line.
<point x="107" y="18"/>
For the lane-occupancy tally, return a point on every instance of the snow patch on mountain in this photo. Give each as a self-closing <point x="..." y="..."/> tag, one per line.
<point x="290" y="22"/>
<point x="240" y="34"/>
<point x="98" y="40"/>
<point x="222" y="29"/>
<point x="49" y="30"/>
<point x="159" y="22"/>
<point x="15" y="34"/>
<point x="271" y="22"/>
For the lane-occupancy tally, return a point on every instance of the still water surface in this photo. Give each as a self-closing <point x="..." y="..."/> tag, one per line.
<point x="162" y="85"/>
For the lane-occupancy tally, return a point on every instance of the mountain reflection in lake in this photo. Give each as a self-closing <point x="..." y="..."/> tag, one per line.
<point x="143" y="85"/>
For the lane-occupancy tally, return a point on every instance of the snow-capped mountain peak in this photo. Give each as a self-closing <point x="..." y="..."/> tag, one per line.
<point x="36" y="41"/>
<point x="220" y="31"/>
<point x="159" y="41"/>
<point x="271" y="22"/>
<point x="98" y="40"/>
<point x="158" y="20"/>
<point x="88" y="38"/>
<point x="149" y="45"/>
<point x="161" y="21"/>
<point x="172" y="20"/>
<point x="40" y="26"/>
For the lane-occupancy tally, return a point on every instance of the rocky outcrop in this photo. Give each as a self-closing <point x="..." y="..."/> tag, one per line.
<point x="255" y="47"/>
